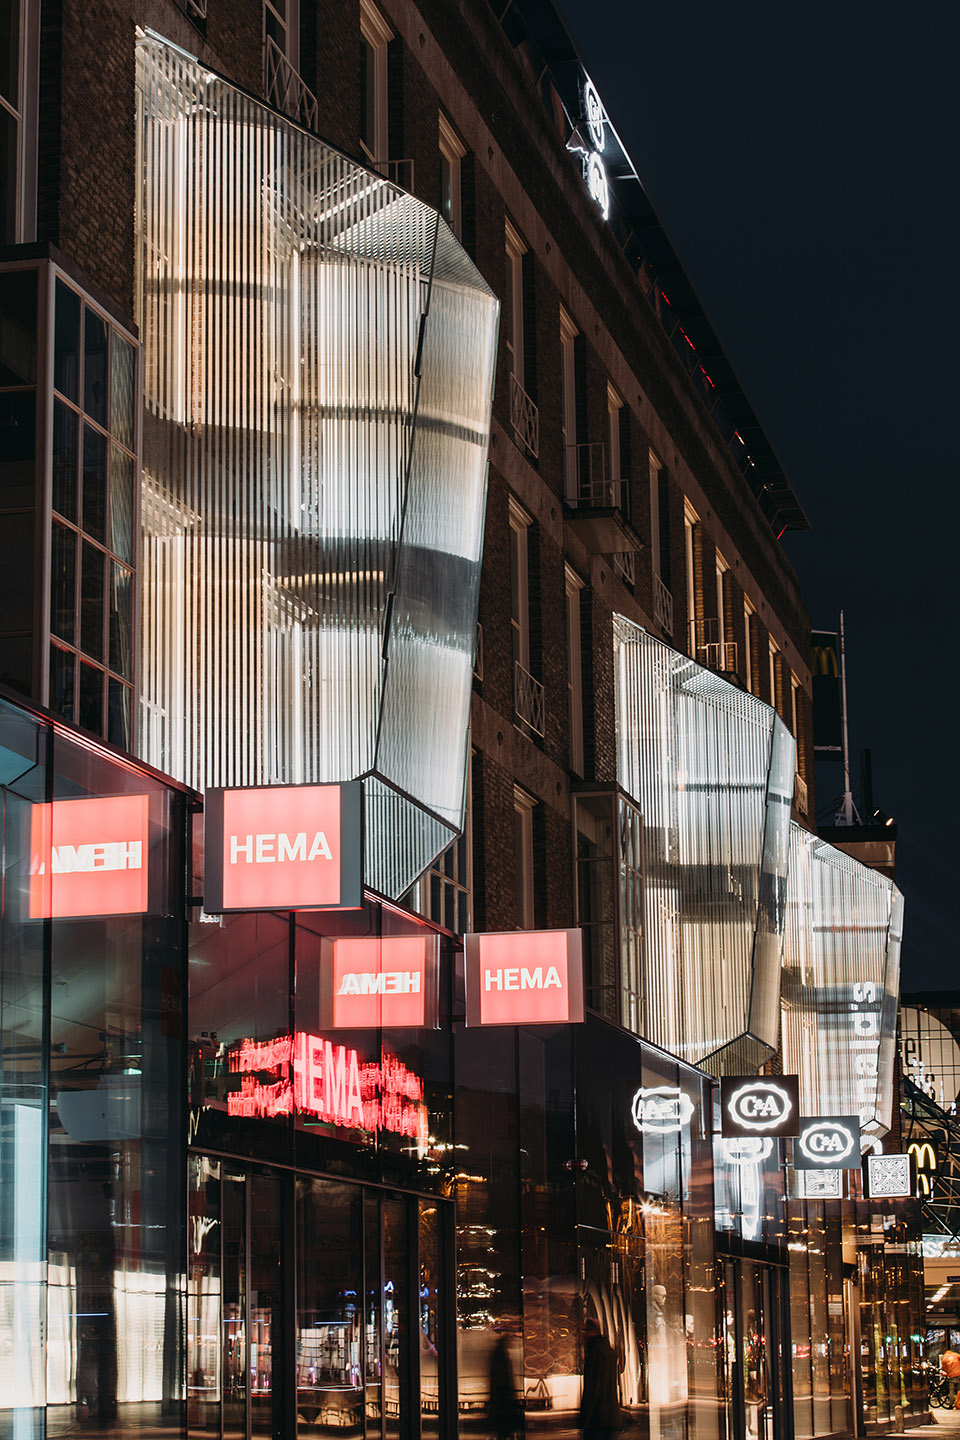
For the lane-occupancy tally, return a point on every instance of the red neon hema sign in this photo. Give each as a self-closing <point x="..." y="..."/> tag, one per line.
<point x="283" y="847"/>
<point x="89" y="857"/>
<point x="309" y="1075"/>
<point x="371" y="981"/>
<point x="524" y="977"/>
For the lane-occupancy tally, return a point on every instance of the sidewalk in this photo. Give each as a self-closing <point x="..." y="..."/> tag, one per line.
<point x="946" y="1422"/>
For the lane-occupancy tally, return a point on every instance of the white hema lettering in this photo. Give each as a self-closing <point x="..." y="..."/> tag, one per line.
<point x="519" y="978"/>
<point x="268" y="849"/>
<point x="89" y="859"/>
<point x="387" y="982"/>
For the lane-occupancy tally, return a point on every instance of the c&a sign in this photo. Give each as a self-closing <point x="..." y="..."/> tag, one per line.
<point x="283" y="847"/>
<point x="524" y="977"/>
<point x="828" y="1142"/>
<point x="89" y="857"/>
<point x="759" y="1105"/>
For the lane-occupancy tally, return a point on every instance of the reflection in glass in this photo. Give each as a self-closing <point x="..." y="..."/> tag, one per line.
<point x="431" y="1338"/>
<point x="65" y="453"/>
<point x="94" y="483"/>
<point x="121" y="396"/>
<point x="66" y="343"/>
<point x="91" y="600"/>
<point x="266" y="1311"/>
<point x="121" y="503"/>
<point x="234" y="1313"/>
<point x="396" y="1317"/>
<point x="330" y="1376"/>
<point x="203" y="1296"/>
<point x="63" y="580"/>
<point x="94" y="366"/>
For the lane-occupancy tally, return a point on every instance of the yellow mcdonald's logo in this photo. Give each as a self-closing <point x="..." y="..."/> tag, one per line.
<point x="823" y="661"/>
<point x="926" y="1158"/>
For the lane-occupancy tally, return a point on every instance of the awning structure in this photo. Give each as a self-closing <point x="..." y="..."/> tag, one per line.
<point x="841" y="975"/>
<point x="711" y="769"/>
<point x="318" y="358"/>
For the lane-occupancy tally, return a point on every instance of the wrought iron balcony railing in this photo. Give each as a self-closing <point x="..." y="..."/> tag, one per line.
<point x="478" y="654"/>
<point x="708" y="649"/>
<point x="286" y="90"/>
<point x="524" y="417"/>
<point x="662" y="605"/>
<point x="800" y="794"/>
<point x="587" y="482"/>
<point x="527" y="698"/>
<point x="625" y="565"/>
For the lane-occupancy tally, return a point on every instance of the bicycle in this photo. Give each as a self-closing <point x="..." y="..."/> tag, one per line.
<point x="939" y="1393"/>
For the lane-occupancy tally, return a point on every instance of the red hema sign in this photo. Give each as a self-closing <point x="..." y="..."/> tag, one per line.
<point x="389" y="981"/>
<point x="89" y="857"/>
<point x="524" y="977"/>
<point x="283" y="847"/>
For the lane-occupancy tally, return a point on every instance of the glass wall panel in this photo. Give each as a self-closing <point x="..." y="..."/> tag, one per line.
<point x="329" y="1311"/>
<point x="398" y="1421"/>
<point x="204" y="1336"/>
<point x="711" y="769"/>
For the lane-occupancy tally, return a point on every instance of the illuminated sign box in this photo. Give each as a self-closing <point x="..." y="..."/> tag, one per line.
<point x="759" y="1105"/>
<point x="283" y="847"/>
<point x="524" y="977"/>
<point x="889" y="1177"/>
<point x="371" y="981"/>
<point x="89" y="857"/>
<point x="828" y="1143"/>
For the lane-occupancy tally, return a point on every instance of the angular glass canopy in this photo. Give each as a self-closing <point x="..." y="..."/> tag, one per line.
<point x="318" y="358"/>
<point x="841" y="981"/>
<point x="711" y="768"/>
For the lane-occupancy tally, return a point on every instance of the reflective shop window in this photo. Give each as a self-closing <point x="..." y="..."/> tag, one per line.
<point x="92" y="857"/>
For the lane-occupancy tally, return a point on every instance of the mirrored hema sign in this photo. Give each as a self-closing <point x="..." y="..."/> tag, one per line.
<point x="283" y="847"/>
<point x="524" y="977"/>
<point x="759" y="1105"/>
<point x="89" y="857"/>
<point x="828" y="1143"/>
<point x="370" y="981"/>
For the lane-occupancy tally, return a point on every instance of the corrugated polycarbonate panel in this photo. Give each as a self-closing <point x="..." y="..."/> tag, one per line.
<point x="711" y="769"/>
<point x="841" y="979"/>
<point x="300" y="466"/>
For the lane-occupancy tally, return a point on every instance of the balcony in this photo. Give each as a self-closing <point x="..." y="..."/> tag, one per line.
<point x="800" y="796"/>
<point x="662" y="605"/>
<point x="400" y="172"/>
<point x="286" y="91"/>
<point x="624" y="563"/>
<point x="527" y="699"/>
<point x="708" y="649"/>
<point x="478" y="654"/>
<point x="524" y="417"/>
<point x="597" y="507"/>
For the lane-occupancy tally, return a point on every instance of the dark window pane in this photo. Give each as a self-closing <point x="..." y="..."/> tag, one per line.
<point x="17" y="447"/>
<point x="16" y="663"/>
<point x="62" y="663"/>
<point x="66" y="344"/>
<point x="90" y="714"/>
<point x="9" y="143"/>
<point x="10" y="51"/>
<point x="94" y="482"/>
<point x="94" y="366"/>
<point x="16" y="572"/>
<point x="118" y="718"/>
<point x="121" y="503"/>
<point x="121" y="618"/>
<point x="91" y="601"/>
<point x="63" y="575"/>
<point x="18" y="326"/>
<point x="121" y="400"/>
<point x="65" y="423"/>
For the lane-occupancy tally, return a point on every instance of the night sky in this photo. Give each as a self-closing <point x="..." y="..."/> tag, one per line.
<point x="805" y="162"/>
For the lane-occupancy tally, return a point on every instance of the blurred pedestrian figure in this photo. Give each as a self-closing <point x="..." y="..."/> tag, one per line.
<point x="600" y="1403"/>
<point x="950" y="1365"/>
<point x="503" y="1409"/>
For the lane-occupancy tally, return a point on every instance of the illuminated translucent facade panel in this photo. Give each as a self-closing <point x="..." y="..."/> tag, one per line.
<point x="318" y="370"/>
<point x="841" y="978"/>
<point x="711" y="770"/>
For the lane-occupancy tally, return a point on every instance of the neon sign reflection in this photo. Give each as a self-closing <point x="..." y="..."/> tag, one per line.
<point x="308" y="1075"/>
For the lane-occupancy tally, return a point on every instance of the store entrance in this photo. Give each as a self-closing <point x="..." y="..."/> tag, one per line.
<point x="755" y="1359"/>
<point x="315" y="1308"/>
